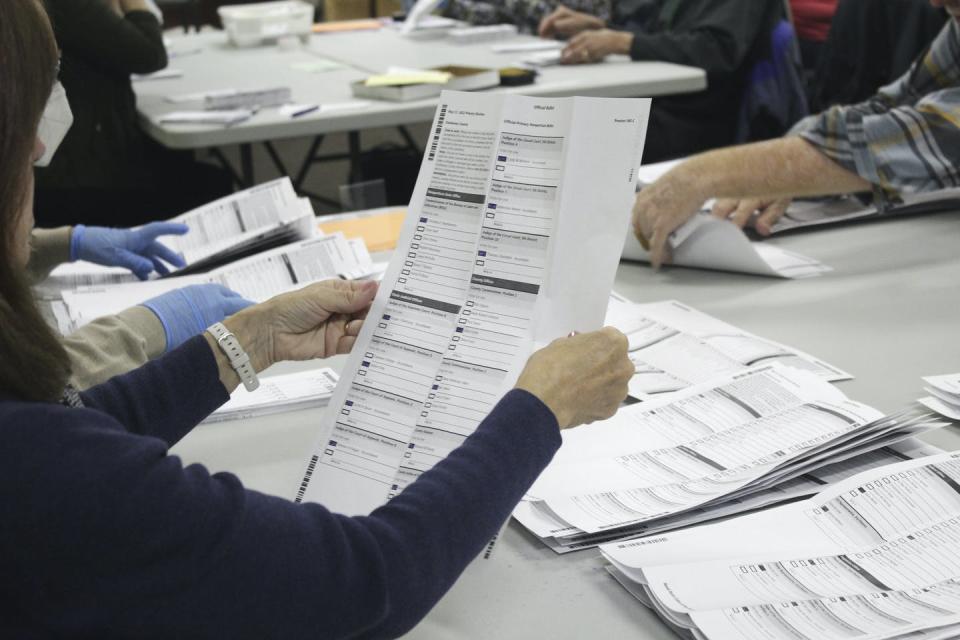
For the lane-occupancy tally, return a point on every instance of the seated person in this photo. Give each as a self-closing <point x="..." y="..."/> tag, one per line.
<point x="112" y="345"/>
<point x="905" y="139"/>
<point x="108" y="172"/>
<point x="106" y="534"/>
<point x="723" y="37"/>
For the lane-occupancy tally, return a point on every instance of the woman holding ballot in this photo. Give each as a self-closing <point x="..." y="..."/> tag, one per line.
<point x="105" y="534"/>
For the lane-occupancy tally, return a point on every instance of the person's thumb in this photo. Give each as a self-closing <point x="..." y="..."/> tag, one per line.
<point x="344" y="296"/>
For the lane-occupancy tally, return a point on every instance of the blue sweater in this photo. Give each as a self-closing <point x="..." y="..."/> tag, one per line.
<point x="105" y="535"/>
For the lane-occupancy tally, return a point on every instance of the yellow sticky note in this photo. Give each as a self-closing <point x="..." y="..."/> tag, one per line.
<point x="397" y="79"/>
<point x="380" y="231"/>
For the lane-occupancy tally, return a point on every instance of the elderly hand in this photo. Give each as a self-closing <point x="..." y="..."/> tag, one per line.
<point x="134" y="249"/>
<point x="564" y="22"/>
<point x="594" y="46"/>
<point x="663" y="207"/>
<point x="317" y="321"/>
<point x="186" y="312"/>
<point x="582" y="378"/>
<point x="741" y="212"/>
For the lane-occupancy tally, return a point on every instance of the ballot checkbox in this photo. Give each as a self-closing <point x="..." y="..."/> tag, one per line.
<point x="401" y="280"/>
<point x="362" y="372"/>
<point x="427" y="405"/>
<point x="345" y="412"/>
<point x="407" y="454"/>
<point x="329" y="452"/>
<point x="479" y="263"/>
<point x="438" y="378"/>
<point x="414" y="245"/>
<point x="456" y="338"/>
<point x="431" y="395"/>
<point x="421" y="229"/>
<point x="500" y="167"/>
<point x="382" y="325"/>
<point x="418" y="237"/>
<point x="491" y="205"/>
<point x="467" y="312"/>
<point x="470" y="303"/>
<point x="490" y="215"/>
<point x="462" y="321"/>
<point x="407" y="263"/>
<point x="368" y="355"/>
<point x="405" y="272"/>
<point x="412" y="255"/>
<point x="452" y="347"/>
<point x="411" y="445"/>
<point x="423" y="414"/>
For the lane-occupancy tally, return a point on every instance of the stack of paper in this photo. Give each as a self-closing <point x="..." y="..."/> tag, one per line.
<point x="276" y="394"/>
<point x="267" y="215"/>
<point x="258" y="277"/>
<point x="674" y="346"/>
<point x="872" y="557"/>
<point x="944" y="395"/>
<point x="658" y="466"/>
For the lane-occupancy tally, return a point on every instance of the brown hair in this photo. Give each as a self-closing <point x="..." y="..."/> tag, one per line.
<point x="33" y="363"/>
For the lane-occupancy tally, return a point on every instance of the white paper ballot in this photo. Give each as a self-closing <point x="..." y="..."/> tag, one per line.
<point x="711" y="243"/>
<point x="286" y="392"/>
<point x="674" y="346"/>
<point x="511" y="240"/>
<point x="527" y="46"/>
<point x="257" y="278"/>
<point x="714" y="448"/>
<point x="872" y="557"/>
<point x="225" y="118"/>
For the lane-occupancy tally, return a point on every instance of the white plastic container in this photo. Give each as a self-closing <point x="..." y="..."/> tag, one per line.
<point x="248" y="25"/>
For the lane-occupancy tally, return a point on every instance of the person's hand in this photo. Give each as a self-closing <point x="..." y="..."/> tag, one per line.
<point x="187" y="312"/>
<point x="564" y="22"/>
<point x="134" y="249"/>
<point x="581" y="378"/>
<point x="741" y="212"/>
<point x="317" y="321"/>
<point x="594" y="46"/>
<point x="661" y="208"/>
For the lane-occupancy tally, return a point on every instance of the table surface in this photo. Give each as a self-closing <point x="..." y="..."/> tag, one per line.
<point x="888" y="314"/>
<point x="219" y="65"/>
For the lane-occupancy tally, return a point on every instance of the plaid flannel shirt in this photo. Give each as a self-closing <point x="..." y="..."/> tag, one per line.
<point x="526" y="14"/>
<point x="905" y="139"/>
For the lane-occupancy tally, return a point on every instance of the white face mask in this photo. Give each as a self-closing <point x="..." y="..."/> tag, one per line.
<point x="55" y="123"/>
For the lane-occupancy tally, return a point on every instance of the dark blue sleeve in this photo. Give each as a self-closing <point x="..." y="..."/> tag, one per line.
<point x="166" y="397"/>
<point x="114" y="537"/>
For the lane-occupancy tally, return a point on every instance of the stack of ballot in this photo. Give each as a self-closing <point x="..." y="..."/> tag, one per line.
<point x="256" y="278"/>
<point x="276" y="394"/>
<point x="674" y="346"/>
<point x="944" y="395"/>
<point x="240" y="224"/>
<point x="736" y="443"/>
<point x="874" y="556"/>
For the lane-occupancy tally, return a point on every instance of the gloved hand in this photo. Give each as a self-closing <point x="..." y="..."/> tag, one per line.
<point x="134" y="249"/>
<point x="186" y="312"/>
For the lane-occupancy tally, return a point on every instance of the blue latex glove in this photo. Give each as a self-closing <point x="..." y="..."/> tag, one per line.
<point x="134" y="249"/>
<point x="187" y="312"/>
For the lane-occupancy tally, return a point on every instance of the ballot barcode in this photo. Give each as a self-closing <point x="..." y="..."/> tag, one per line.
<point x="306" y="478"/>
<point x="436" y="133"/>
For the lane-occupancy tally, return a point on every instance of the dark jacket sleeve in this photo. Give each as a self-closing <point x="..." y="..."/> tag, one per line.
<point x="91" y="30"/>
<point x="715" y="35"/>
<point x="165" y="398"/>
<point x="114" y="537"/>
